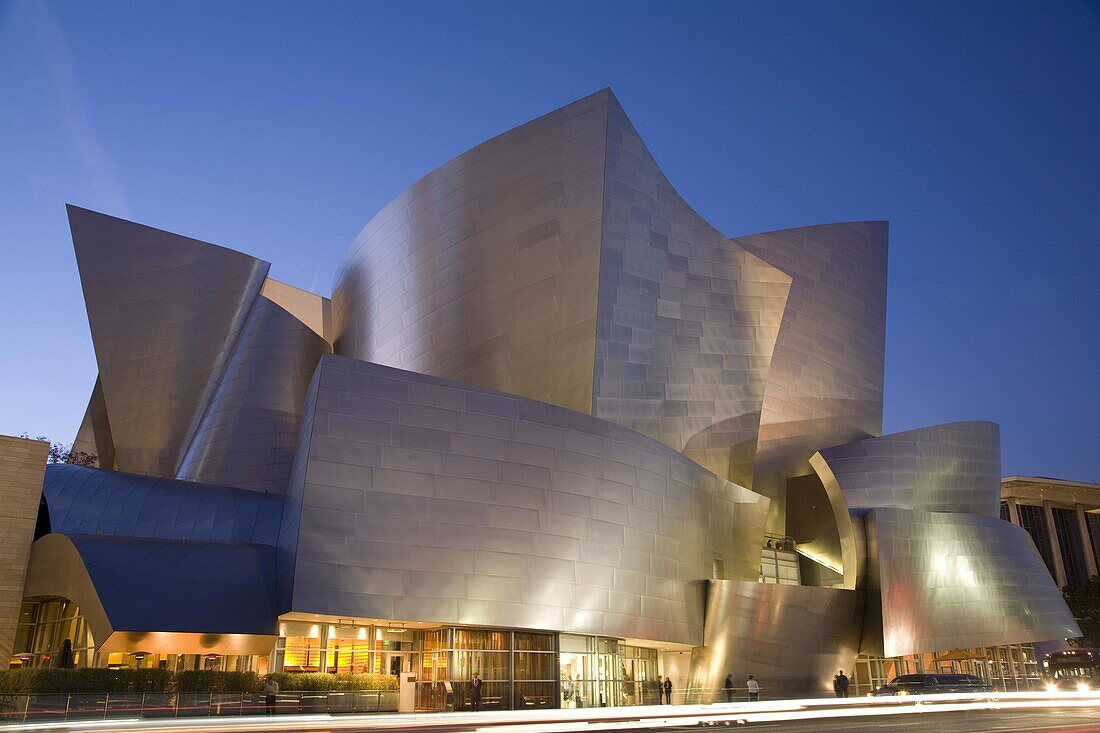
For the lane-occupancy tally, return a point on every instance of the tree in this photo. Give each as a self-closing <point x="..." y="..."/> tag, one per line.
<point x="1084" y="603"/>
<point x="63" y="453"/>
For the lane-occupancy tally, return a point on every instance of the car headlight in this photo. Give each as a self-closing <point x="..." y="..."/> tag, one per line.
<point x="1082" y="687"/>
<point x="903" y="692"/>
<point x="1051" y="687"/>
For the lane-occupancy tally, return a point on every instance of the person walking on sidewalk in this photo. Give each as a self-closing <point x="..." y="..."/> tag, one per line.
<point x="728" y="687"/>
<point x="754" y="689"/>
<point x="668" y="690"/>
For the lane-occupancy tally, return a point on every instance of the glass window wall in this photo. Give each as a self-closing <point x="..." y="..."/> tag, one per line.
<point x="1069" y="541"/>
<point x="43" y="628"/>
<point x="1031" y="519"/>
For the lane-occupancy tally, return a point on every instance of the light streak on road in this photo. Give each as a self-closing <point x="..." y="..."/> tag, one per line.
<point x="590" y="719"/>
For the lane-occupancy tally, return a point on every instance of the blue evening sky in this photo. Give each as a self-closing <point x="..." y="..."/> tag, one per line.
<point x="278" y="129"/>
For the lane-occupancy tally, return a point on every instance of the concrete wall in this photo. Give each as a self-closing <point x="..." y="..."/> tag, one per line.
<point x="22" y="464"/>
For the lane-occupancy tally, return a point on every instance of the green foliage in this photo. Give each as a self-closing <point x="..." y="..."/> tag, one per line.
<point x="317" y="681"/>
<point x="1084" y="603"/>
<point x="64" y="453"/>
<point x="204" y="681"/>
<point x="52" y="680"/>
<point x="49" y="679"/>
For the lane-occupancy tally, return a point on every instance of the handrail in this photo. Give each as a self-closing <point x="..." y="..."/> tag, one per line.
<point x="103" y="705"/>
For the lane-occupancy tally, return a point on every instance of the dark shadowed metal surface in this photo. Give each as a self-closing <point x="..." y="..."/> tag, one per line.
<point x="90" y="501"/>
<point x="140" y="593"/>
<point x="94" y="435"/>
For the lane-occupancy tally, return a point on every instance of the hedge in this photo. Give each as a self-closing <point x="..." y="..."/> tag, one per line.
<point x="48" y="680"/>
<point x="45" y="680"/>
<point x="198" y="680"/>
<point x="318" y="681"/>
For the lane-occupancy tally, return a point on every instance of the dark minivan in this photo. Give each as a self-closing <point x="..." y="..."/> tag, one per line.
<point x="928" y="684"/>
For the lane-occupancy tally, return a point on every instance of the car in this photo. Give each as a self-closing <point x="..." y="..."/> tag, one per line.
<point x="928" y="684"/>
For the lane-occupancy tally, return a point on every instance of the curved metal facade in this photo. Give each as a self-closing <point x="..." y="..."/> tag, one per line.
<point x="557" y="262"/>
<point x="429" y="500"/>
<point x="687" y="319"/>
<point x="162" y="596"/>
<point x="954" y="467"/>
<point x="164" y="312"/>
<point x="648" y="369"/>
<point x="951" y="581"/>
<point x="247" y="434"/>
<point x="485" y="270"/>
<point x="94" y="435"/>
<point x="825" y="383"/>
<point x="91" y="501"/>
<point x="791" y="638"/>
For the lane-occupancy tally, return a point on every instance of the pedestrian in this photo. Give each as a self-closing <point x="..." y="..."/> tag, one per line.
<point x="836" y="685"/>
<point x="475" y="693"/>
<point x="668" y="690"/>
<point x="271" y="692"/>
<point x="754" y="689"/>
<point x="841" y="685"/>
<point x="728" y="687"/>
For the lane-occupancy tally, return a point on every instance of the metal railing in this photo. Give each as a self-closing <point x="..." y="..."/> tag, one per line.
<point x="100" y="706"/>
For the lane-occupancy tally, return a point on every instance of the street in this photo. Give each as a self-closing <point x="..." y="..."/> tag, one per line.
<point x="1069" y="712"/>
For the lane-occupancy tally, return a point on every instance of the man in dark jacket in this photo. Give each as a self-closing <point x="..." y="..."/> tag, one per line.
<point x="475" y="693"/>
<point x="728" y="687"/>
<point x="841" y="685"/>
<point x="668" y="690"/>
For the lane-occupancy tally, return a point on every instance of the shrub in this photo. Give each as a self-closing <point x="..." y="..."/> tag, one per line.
<point x="316" y="681"/>
<point x="51" y="680"/>
<point x="207" y="681"/>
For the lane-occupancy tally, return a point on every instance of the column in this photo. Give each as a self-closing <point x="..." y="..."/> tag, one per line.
<point x="1055" y="546"/>
<point x="1086" y="541"/>
<point x="1013" y="511"/>
<point x="322" y="664"/>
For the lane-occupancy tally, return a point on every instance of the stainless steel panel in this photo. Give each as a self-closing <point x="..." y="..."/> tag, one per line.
<point x="791" y="638"/>
<point x="248" y="430"/>
<point x="94" y="435"/>
<point x="164" y="311"/>
<point x="557" y="262"/>
<point x="954" y="467"/>
<point x="483" y="529"/>
<point x="687" y="319"/>
<point x="951" y="581"/>
<point x="485" y="270"/>
<point x="826" y="377"/>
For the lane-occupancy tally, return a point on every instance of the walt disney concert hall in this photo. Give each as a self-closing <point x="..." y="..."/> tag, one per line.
<point x="550" y="427"/>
